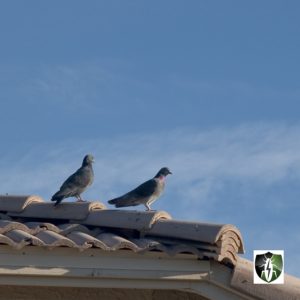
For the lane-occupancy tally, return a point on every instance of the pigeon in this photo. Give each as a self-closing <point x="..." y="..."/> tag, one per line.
<point x="146" y="193"/>
<point x="77" y="183"/>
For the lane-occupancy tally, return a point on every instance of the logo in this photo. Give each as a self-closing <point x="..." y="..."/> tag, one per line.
<point x="268" y="267"/>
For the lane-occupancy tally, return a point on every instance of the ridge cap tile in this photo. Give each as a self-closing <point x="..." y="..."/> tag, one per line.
<point x="17" y="203"/>
<point x="127" y="219"/>
<point x="67" y="211"/>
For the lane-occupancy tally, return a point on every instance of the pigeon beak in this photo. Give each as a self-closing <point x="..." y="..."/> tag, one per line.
<point x="170" y="172"/>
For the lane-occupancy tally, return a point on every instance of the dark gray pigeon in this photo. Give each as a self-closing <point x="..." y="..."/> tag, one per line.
<point x="77" y="183"/>
<point x="146" y="193"/>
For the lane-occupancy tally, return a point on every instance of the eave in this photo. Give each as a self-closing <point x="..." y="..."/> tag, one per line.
<point x="68" y="267"/>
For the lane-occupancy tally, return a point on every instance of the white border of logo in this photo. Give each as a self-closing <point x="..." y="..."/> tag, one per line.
<point x="257" y="279"/>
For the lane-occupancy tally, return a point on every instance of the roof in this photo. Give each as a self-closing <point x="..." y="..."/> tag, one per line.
<point x="31" y="221"/>
<point x="34" y="225"/>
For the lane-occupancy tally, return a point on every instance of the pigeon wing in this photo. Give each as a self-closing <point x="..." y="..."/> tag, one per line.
<point x="75" y="183"/>
<point x="144" y="190"/>
<point x="136" y="196"/>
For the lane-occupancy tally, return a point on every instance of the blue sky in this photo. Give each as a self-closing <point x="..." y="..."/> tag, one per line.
<point x="208" y="88"/>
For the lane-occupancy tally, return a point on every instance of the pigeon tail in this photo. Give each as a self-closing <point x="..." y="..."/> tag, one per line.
<point x="57" y="197"/>
<point x="113" y="201"/>
<point x="121" y="202"/>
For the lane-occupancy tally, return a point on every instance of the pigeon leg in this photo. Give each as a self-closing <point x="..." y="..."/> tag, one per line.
<point x="79" y="199"/>
<point x="148" y="208"/>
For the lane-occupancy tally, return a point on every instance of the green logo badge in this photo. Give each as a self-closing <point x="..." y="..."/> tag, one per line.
<point x="268" y="267"/>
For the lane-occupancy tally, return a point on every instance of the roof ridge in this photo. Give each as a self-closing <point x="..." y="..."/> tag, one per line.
<point x="15" y="203"/>
<point x="128" y="219"/>
<point x="46" y="210"/>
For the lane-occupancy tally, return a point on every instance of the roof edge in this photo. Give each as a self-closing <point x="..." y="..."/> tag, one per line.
<point x="242" y="280"/>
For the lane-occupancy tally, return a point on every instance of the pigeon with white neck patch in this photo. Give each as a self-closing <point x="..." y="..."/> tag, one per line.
<point x="146" y="193"/>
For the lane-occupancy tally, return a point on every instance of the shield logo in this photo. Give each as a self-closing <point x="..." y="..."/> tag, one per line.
<point x="268" y="266"/>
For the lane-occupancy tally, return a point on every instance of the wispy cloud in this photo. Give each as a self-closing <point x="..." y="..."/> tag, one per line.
<point x="74" y="87"/>
<point x="238" y="91"/>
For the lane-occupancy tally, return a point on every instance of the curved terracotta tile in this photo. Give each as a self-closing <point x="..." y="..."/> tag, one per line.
<point x="53" y="239"/>
<point x="136" y="220"/>
<point x="6" y="226"/>
<point x="64" y="211"/>
<point x="116" y="242"/>
<point x="65" y="229"/>
<point x="20" y="236"/>
<point x="82" y="239"/>
<point x="36" y="227"/>
<point x="7" y="241"/>
<point x="11" y="203"/>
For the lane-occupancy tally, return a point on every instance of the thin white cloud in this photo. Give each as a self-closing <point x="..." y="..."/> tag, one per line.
<point x="80" y="86"/>
<point x="239" y="91"/>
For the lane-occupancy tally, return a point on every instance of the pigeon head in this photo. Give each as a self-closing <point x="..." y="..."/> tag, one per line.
<point x="163" y="172"/>
<point x="88" y="160"/>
